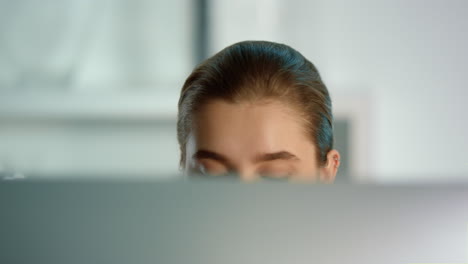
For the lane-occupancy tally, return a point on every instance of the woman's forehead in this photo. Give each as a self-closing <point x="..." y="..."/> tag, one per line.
<point x="251" y="117"/>
<point x="248" y="127"/>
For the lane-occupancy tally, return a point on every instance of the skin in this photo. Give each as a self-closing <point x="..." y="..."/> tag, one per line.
<point x="254" y="140"/>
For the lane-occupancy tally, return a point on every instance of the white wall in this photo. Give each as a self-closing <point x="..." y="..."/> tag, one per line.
<point x="407" y="57"/>
<point x="116" y="116"/>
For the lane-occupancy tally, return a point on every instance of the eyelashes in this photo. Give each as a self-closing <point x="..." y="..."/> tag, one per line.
<point x="275" y="176"/>
<point x="274" y="172"/>
<point x="203" y="170"/>
<point x="197" y="174"/>
<point x="271" y="176"/>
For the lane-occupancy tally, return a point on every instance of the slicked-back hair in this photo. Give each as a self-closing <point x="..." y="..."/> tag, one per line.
<point x="255" y="71"/>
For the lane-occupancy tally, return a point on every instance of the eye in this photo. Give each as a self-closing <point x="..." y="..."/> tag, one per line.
<point x="276" y="172"/>
<point x="275" y="179"/>
<point x="275" y="175"/>
<point x="212" y="168"/>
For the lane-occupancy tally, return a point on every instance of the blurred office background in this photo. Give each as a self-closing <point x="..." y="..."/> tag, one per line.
<point x="89" y="88"/>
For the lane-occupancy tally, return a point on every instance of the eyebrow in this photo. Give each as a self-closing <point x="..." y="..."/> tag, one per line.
<point x="280" y="155"/>
<point x="206" y="154"/>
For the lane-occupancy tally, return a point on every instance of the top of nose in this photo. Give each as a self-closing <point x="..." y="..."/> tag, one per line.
<point x="247" y="176"/>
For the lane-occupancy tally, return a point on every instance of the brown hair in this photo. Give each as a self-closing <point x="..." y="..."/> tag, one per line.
<point x="257" y="70"/>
